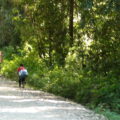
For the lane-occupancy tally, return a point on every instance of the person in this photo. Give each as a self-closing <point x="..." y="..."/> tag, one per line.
<point x="22" y="72"/>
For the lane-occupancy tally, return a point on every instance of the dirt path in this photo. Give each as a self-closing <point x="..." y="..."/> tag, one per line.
<point x="22" y="104"/>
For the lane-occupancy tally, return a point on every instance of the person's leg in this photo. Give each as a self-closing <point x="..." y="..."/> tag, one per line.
<point x="20" y="81"/>
<point x="23" y="82"/>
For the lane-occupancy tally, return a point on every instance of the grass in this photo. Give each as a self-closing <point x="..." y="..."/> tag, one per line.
<point x="108" y="114"/>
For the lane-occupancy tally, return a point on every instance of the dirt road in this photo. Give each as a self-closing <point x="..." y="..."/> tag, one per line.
<point x="22" y="104"/>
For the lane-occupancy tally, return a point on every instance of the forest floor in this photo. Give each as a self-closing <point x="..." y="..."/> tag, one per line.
<point x="27" y="104"/>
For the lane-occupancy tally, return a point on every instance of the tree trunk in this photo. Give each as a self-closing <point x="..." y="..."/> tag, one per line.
<point x="50" y="49"/>
<point x="71" y="18"/>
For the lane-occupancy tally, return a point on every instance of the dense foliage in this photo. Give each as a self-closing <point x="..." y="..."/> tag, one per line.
<point x="70" y="47"/>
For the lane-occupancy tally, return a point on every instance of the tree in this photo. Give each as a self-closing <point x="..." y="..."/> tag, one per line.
<point x="98" y="21"/>
<point x="71" y="18"/>
<point x="9" y="35"/>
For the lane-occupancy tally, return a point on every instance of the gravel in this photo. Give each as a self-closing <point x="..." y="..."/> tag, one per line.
<point x="25" y="104"/>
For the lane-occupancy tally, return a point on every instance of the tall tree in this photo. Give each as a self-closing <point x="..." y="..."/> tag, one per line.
<point x="9" y="35"/>
<point x="71" y="18"/>
<point x="100" y="22"/>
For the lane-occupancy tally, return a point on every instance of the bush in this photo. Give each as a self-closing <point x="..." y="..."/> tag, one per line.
<point x="63" y="82"/>
<point x="97" y="90"/>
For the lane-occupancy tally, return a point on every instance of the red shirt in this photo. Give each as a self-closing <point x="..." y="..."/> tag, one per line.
<point x="20" y="68"/>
